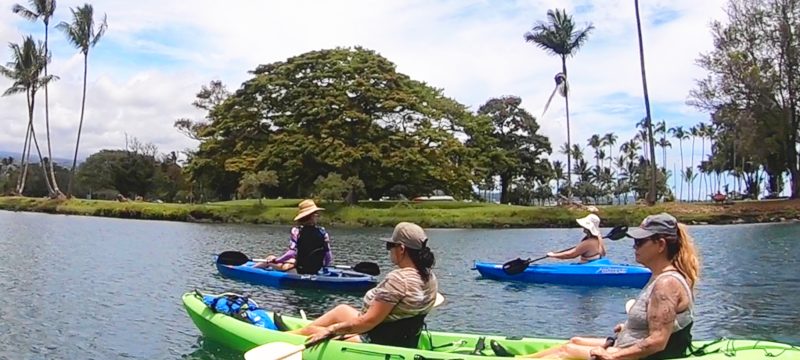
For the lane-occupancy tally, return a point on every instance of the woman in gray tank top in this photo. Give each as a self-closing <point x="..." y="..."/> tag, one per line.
<point x="660" y="320"/>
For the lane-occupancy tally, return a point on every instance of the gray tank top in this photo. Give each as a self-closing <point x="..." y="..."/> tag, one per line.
<point x="636" y="327"/>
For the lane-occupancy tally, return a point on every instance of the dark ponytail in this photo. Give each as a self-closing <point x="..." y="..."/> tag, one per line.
<point x="423" y="260"/>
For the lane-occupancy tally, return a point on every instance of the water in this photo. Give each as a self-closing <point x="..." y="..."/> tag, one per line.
<point x="98" y="288"/>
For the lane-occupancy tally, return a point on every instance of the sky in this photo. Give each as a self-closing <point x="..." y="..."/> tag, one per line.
<point x="155" y="56"/>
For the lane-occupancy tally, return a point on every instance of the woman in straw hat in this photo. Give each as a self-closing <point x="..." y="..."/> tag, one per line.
<point x="591" y="246"/>
<point x="309" y="244"/>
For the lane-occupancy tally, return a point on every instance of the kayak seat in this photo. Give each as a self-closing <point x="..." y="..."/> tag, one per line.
<point x="277" y="319"/>
<point x="401" y="333"/>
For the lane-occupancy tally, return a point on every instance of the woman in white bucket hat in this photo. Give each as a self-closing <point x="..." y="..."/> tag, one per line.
<point x="591" y="246"/>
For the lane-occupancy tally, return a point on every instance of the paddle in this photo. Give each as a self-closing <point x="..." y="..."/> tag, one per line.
<point x="284" y="351"/>
<point x="236" y="258"/>
<point x="281" y="350"/>
<point x="517" y="266"/>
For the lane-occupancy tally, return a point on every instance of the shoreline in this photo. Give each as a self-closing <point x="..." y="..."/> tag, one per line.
<point x="449" y="214"/>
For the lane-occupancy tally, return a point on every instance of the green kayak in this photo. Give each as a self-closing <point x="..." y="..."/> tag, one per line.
<point x="242" y="336"/>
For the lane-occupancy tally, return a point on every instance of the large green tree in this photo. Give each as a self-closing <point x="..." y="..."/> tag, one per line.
<point x="752" y="88"/>
<point x="340" y="110"/>
<point x="516" y="149"/>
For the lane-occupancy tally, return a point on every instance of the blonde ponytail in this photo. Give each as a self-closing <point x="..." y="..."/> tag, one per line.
<point x="687" y="260"/>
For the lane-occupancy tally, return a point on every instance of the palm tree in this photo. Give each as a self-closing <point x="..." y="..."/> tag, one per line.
<point x="43" y="9"/>
<point x="577" y="152"/>
<point x="651" y="195"/>
<point x="558" y="36"/>
<point x="558" y="173"/>
<point x="83" y="35"/>
<point x="565" y="149"/>
<point x="680" y="134"/>
<point x="694" y="132"/>
<point x="25" y="72"/>
<point x="702" y="130"/>
<point x="663" y="143"/>
<point x="610" y="139"/>
<point x="595" y="143"/>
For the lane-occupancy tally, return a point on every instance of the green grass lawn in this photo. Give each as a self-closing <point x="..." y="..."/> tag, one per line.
<point x="385" y="213"/>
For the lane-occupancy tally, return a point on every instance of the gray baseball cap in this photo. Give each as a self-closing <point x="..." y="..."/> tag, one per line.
<point x="409" y="235"/>
<point x="663" y="224"/>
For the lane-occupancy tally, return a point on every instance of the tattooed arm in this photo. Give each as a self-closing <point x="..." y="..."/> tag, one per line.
<point x="661" y="312"/>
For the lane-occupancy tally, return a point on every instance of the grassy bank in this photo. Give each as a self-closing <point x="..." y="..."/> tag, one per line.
<point x="428" y="214"/>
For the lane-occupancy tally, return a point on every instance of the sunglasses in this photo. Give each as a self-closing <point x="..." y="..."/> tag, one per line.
<point x="637" y="243"/>
<point x="390" y="246"/>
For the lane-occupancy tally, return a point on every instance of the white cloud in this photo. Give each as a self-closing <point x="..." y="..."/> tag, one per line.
<point x="472" y="49"/>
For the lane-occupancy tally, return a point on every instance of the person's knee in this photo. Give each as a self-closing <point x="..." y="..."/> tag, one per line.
<point x="576" y="340"/>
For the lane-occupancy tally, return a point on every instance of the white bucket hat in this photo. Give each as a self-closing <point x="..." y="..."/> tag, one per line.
<point x="591" y="222"/>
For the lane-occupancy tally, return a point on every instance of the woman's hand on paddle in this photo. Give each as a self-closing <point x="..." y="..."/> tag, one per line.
<point x="551" y="254"/>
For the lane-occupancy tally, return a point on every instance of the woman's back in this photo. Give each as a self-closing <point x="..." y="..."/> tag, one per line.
<point x="405" y="288"/>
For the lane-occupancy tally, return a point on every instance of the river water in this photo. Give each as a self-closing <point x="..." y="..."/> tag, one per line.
<point x="99" y="288"/>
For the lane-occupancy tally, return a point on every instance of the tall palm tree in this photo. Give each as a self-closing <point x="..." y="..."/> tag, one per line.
<point x="43" y="9"/>
<point x="25" y="72"/>
<point x="695" y="133"/>
<point x="702" y="130"/>
<point x="577" y="152"/>
<point x="689" y="175"/>
<point x="651" y="195"/>
<point x="663" y="143"/>
<point x="610" y="139"/>
<point x="83" y="35"/>
<point x="558" y="173"/>
<point x="559" y="36"/>
<point x="595" y="142"/>
<point x="679" y="133"/>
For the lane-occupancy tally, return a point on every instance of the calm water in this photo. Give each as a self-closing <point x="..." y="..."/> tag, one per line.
<point x="97" y="288"/>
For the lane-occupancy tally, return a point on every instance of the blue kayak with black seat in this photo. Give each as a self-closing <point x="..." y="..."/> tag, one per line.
<point x="327" y="278"/>
<point x="601" y="272"/>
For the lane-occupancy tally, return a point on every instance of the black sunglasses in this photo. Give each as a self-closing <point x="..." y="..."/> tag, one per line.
<point x="637" y="243"/>
<point x="391" y="245"/>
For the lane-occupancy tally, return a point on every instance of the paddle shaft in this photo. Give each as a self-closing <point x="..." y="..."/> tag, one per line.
<point x="343" y="267"/>
<point x="615" y="230"/>
<point x="545" y="257"/>
<point x="312" y="344"/>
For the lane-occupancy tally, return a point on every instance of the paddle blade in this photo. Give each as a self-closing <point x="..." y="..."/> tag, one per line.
<point x="234" y="258"/>
<point x="618" y="232"/>
<point x="516" y="266"/>
<point x="275" y="351"/>
<point x="439" y="300"/>
<point x="369" y="268"/>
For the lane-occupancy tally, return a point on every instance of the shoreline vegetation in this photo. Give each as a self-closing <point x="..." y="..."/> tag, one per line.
<point x="434" y="214"/>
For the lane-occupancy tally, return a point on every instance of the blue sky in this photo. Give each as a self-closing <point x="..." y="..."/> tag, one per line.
<point x="143" y="75"/>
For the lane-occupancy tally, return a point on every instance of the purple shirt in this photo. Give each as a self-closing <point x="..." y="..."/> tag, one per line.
<point x="294" y="235"/>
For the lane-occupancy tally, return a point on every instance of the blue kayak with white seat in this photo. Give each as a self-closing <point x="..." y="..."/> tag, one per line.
<point x="327" y="278"/>
<point x="601" y="272"/>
